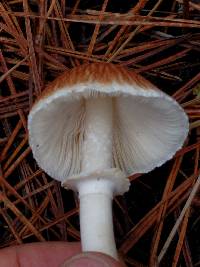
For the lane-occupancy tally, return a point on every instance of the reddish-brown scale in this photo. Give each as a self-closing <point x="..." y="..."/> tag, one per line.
<point x="104" y="73"/>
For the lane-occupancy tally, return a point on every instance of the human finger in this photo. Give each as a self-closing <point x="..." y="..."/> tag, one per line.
<point x="92" y="259"/>
<point x="43" y="254"/>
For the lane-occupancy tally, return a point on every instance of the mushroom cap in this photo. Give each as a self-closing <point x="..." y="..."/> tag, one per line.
<point x="148" y="125"/>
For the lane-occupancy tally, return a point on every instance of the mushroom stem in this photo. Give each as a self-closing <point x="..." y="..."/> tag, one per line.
<point x="96" y="193"/>
<point x="97" y="146"/>
<point x="96" y="216"/>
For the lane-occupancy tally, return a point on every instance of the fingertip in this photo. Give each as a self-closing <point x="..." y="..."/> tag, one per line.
<point x="92" y="259"/>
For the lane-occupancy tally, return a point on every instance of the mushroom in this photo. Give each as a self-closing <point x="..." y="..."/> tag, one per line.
<point x="94" y="126"/>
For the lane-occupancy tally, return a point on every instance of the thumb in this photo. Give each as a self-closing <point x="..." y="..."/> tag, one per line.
<point x="92" y="259"/>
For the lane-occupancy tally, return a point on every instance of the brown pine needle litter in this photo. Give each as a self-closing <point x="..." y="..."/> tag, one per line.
<point x="157" y="223"/>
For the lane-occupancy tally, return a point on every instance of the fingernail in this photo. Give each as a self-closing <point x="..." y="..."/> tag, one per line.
<point x="86" y="260"/>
